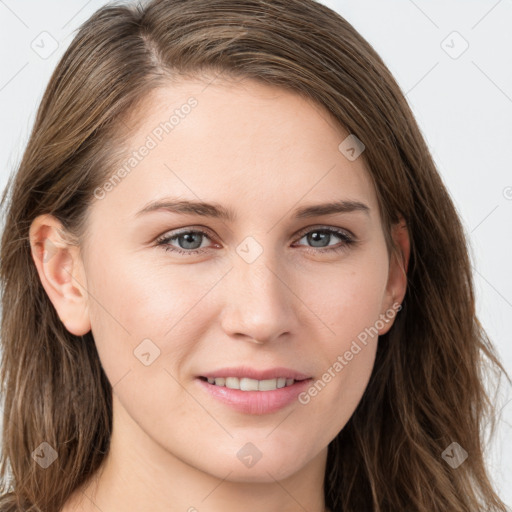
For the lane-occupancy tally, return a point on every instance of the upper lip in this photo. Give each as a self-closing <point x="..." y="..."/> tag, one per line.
<point x="252" y="373"/>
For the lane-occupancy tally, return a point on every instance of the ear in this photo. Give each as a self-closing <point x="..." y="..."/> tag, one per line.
<point x="397" y="275"/>
<point x="61" y="272"/>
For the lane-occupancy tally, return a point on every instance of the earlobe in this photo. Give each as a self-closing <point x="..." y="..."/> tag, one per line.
<point x="61" y="272"/>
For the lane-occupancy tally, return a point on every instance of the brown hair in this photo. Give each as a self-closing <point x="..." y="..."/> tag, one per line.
<point x="427" y="387"/>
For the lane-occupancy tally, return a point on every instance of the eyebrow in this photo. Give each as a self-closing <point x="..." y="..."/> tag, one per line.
<point x="216" y="210"/>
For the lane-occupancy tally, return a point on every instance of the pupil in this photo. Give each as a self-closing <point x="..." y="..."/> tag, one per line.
<point x="316" y="236"/>
<point x="189" y="237"/>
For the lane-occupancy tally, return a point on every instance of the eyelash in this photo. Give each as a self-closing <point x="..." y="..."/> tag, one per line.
<point x="347" y="241"/>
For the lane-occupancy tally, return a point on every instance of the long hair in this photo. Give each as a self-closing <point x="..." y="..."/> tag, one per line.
<point x="427" y="389"/>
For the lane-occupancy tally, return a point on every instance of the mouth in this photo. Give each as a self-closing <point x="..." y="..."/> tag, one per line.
<point x="248" y="384"/>
<point x="249" y="391"/>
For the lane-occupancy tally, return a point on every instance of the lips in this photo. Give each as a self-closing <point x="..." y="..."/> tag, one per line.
<point x="268" y="399"/>
<point x="252" y="373"/>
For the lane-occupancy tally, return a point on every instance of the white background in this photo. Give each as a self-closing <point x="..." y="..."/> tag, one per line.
<point x="463" y="106"/>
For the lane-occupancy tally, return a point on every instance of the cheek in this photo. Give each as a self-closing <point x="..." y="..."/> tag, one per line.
<point x="348" y="298"/>
<point x="143" y="298"/>
<point x="350" y="304"/>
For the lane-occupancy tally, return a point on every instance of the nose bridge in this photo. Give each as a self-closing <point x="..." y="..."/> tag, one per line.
<point x="258" y="301"/>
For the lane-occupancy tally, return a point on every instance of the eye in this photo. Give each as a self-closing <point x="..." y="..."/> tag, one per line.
<point x="187" y="240"/>
<point x="321" y="236"/>
<point x="190" y="241"/>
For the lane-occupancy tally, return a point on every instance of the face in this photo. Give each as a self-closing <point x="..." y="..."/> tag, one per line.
<point x="174" y="296"/>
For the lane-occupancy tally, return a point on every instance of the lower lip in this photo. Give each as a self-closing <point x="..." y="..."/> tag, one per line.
<point x="256" y="402"/>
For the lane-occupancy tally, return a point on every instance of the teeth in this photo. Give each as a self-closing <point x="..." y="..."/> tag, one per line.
<point x="267" y="385"/>
<point x="232" y="382"/>
<point x="246" y="384"/>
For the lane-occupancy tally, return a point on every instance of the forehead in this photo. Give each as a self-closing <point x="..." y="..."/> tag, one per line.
<point x="252" y="147"/>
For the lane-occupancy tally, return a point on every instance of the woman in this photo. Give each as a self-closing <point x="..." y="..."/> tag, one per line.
<point x="232" y="274"/>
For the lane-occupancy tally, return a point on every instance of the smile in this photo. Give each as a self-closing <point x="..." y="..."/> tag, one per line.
<point x="247" y="384"/>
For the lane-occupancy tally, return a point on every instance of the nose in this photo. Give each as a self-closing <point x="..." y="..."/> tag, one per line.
<point x="258" y="304"/>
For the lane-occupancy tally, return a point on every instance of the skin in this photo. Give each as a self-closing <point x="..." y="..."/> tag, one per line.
<point x="263" y="152"/>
